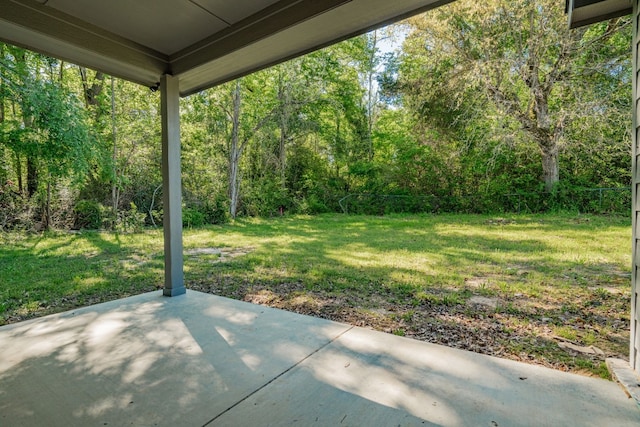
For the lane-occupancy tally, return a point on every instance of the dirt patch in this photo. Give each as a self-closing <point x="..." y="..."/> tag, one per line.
<point x="203" y="251"/>
<point x="483" y="303"/>
<point x="476" y="282"/>
<point x="501" y="221"/>
<point x="223" y="254"/>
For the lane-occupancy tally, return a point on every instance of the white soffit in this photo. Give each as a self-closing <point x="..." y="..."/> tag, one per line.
<point x="163" y="25"/>
<point x="203" y="42"/>
<point x="235" y="10"/>
<point x="335" y="25"/>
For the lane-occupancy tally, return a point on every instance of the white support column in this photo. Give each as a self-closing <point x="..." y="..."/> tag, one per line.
<point x="171" y="187"/>
<point x="634" y="350"/>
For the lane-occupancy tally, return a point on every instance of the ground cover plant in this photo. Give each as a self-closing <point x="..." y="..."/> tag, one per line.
<point x="548" y="289"/>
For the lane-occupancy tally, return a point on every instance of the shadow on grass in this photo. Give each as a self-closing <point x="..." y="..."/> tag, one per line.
<point x="407" y="275"/>
<point x="376" y="272"/>
<point x="57" y="272"/>
<point x="376" y="250"/>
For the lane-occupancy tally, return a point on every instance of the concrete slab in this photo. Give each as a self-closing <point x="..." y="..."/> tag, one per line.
<point x="199" y="359"/>
<point x="369" y="378"/>
<point x="148" y="360"/>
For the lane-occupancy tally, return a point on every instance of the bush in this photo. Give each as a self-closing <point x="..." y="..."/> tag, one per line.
<point x="567" y="198"/>
<point x="265" y="199"/>
<point x="88" y="214"/>
<point x="192" y="217"/>
<point x="156" y="217"/>
<point x="310" y="205"/>
<point x="131" y="220"/>
<point x="216" y="211"/>
<point x="197" y="216"/>
<point x="210" y="212"/>
<point x="16" y="211"/>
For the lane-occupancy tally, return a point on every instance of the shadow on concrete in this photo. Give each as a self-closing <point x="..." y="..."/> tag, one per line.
<point x="201" y="360"/>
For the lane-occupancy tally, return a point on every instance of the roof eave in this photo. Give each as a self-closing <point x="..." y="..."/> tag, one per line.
<point x="586" y="12"/>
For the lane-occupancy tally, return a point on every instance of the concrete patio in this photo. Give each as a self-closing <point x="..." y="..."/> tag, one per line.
<point x="200" y="359"/>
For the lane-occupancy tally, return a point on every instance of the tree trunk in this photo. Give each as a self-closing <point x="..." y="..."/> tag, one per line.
<point x="1" y="102"/>
<point x="32" y="176"/>
<point x="536" y="120"/>
<point x="542" y="130"/>
<point x="47" y="214"/>
<point x="282" y="156"/>
<point x="18" y="168"/>
<point x="32" y="167"/>
<point x="234" y="154"/>
<point x="115" y="190"/>
<point x="92" y="92"/>
<point x="3" y="169"/>
<point x="371" y="94"/>
<point x="1" y="92"/>
<point x="285" y="114"/>
<point x="550" y="168"/>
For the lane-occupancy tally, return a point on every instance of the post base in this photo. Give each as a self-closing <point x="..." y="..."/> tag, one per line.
<point x="174" y="292"/>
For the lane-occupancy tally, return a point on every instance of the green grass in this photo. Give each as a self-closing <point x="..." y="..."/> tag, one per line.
<point x="553" y="276"/>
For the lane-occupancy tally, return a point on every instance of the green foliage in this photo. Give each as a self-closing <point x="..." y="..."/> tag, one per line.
<point x="89" y="215"/>
<point x="497" y="77"/>
<point x="447" y="127"/>
<point x="265" y="198"/>
<point x="16" y="211"/>
<point x="411" y="266"/>
<point x="56" y="131"/>
<point x="568" y="198"/>
<point x="192" y="217"/>
<point x="210" y="212"/>
<point x="311" y="204"/>
<point x="216" y="211"/>
<point x="306" y="179"/>
<point x="131" y="220"/>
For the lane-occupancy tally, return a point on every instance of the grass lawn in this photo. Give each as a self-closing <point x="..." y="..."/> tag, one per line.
<point x="549" y="289"/>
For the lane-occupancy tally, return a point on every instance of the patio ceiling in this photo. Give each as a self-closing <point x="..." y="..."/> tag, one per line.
<point x="202" y="42"/>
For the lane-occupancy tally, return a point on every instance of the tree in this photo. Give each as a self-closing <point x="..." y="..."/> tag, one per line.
<point x="518" y="59"/>
<point x="246" y="118"/>
<point x="48" y="126"/>
<point x="3" y="158"/>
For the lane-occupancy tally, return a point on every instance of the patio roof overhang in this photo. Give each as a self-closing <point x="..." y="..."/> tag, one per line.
<point x="585" y="12"/>
<point x="202" y="42"/>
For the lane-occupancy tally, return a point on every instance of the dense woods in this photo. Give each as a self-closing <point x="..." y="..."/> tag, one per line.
<point x="474" y="107"/>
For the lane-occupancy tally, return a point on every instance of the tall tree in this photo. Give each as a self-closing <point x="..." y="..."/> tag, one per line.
<point x="236" y="148"/>
<point x="247" y="116"/>
<point x="3" y="158"/>
<point x="48" y="126"/>
<point x="518" y="58"/>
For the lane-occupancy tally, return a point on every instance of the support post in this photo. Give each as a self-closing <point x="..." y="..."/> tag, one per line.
<point x="634" y="348"/>
<point x="171" y="187"/>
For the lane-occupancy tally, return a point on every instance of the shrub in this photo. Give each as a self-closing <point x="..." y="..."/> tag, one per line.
<point x="16" y="211"/>
<point x="192" y="217"/>
<point x="88" y="214"/>
<point x="131" y="220"/>
<point x="216" y="211"/>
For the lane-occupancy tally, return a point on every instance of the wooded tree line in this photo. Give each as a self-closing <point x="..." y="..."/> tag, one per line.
<point x="482" y="100"/>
